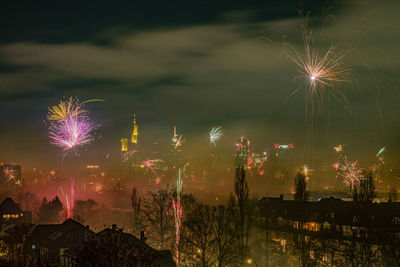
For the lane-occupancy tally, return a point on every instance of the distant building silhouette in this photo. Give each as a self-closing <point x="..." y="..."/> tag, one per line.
<point x="11" y="213"/>
<point x="72" y="244"/>
<point x="242" y="151"/>
<point x="332" y="230"/>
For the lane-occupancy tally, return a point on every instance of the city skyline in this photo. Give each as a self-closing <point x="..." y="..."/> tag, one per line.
<point x="200" y="133"/>
<point x="197" y="74"/>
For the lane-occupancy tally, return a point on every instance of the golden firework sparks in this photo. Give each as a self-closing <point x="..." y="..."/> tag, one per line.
<point x="323" y="71"/>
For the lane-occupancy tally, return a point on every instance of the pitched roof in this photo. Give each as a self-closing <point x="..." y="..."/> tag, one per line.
<point x="69" y="234"/>
<point x="8" y="206"/>
<point x="143" y="251"/>
<point x="332" y="210"/>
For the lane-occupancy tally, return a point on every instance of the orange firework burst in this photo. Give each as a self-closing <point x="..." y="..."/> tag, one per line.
<point x="323" y="71"/>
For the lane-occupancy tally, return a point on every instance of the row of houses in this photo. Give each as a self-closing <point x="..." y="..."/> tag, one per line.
<point x="330" y="232"/>
<point x="71" y="243"/>
<point x="331" y="216"/>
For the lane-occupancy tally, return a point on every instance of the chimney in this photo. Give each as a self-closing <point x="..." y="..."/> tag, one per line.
<point x="142" y="237"/>
<point x="114" y="227"/>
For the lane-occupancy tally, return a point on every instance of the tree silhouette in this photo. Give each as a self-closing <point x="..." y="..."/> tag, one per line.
<point x="241" y="192"/>
<point x="49" y="212"/>
<point x="136" y="203"/>
<point x="223" y="230"/>
<point x="300" y="186"/>
<point x="198" y="238"/>
<point x="158" y="215"/>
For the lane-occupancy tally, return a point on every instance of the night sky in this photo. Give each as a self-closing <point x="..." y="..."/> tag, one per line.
<point x="195" y="64"/>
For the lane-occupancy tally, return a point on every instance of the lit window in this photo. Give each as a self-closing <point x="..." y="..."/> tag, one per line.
<point x="283" y="245"/>
<point x="312" y="254"/>
<point x="324" y="258"/>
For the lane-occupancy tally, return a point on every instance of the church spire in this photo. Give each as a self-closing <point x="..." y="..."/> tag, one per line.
<point x="135" y="130"/>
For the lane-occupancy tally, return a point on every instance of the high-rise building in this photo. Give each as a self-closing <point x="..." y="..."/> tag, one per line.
<point x="135" y="131"/>
<point x="129" y="149"/>
<point x="124" y="144"/>
<point x="242" y="151"/>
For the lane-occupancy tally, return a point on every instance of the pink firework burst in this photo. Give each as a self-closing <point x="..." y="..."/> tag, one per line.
<point x="71" y="133"/>
<point x="351" y="173"/>
<point x="149" y="166"/>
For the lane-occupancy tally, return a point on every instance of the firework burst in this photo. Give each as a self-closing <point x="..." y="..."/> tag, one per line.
<point x="324" y="72"/>
<point x="64" y="109"/>
<point x="149" y="166"/>
<point x="72" y="132"/>
<point x="215" y="134"/>
<point x="351" y="173"/>
<point x="11" y="175"/>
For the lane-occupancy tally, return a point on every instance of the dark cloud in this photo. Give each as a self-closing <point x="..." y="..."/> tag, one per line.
<point x="196" y="65"/>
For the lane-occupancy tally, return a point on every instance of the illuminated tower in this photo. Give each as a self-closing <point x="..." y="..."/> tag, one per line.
<point x="135" y="131"/>
<point x="124" y="144"/>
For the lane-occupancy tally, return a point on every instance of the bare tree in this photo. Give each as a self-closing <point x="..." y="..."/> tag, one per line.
<point x="136" y="203"/>
<point x="197" y="235"/>
<point x="87" y="212"/>
<point x="241" y="192"/>
<point x="223" y="230"/>
<point x="158" y="213"/>
<point x="49" y="212"/>
<point x="116" y="248"/>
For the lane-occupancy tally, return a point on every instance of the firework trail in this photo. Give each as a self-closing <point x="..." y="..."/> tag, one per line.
<point x="250" y="165"/>
<point x="69" y="199"/>
<point x="351" y="173"/>
<point x="178" y="142"/>
<point x="215" y="134"/>
<point x="261" y="164"/>
<point x="71" y="133"/>
<point x="383" y="149"/>
<point x="72" y="200"/>
<point x="379" y="156"/>
<point x="178" y="213"/>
